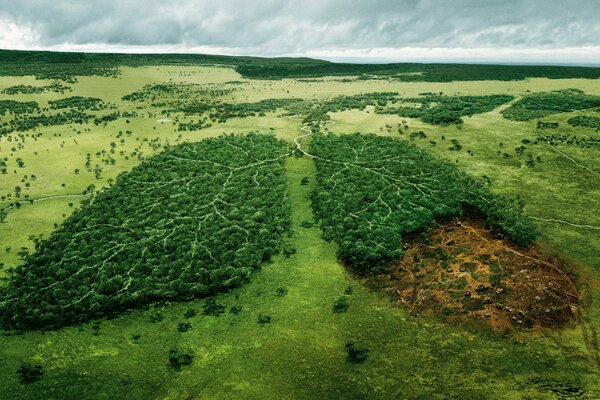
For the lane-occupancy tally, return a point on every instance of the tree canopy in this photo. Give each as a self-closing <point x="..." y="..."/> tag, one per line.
<point x="191" y="221"/>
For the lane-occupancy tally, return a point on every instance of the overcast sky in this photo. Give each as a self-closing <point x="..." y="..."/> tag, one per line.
<point x="564" y="31"/>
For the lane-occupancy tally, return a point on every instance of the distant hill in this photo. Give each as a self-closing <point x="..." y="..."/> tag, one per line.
<point x="62" y="65"/>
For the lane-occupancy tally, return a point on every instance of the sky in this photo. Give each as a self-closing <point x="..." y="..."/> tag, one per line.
<point x="526" y="31"/>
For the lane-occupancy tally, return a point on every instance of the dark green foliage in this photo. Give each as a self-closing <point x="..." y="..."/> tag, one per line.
<point x="304" y="181"/>
<point x="585" y="121"/>
<point x="355" y="353"/>
<point x="211" y="307"/>
<point x="192" y="221"/>
<point x="264" y="319"/>
<point x="317" y="112"/>
<point x="537" y="105"/>
<point x="29" y="373"/>
<point x="25" y="123"/>
<point x="340" y="305"/>
<point x="235" y="309"/>
<point x="17" y="107"/>
<point x="184" y="327"/>
<point x="288" y="250"/>
<point x="55" y="87"/>
<point x="569" y="140"/>
<point x="157" y="317"/>
<point x="178" y="359"/>
<point x="77" y="102"/>
<point x="281" y="291"/>
<point x="189" y="313"/>
<point x="106" y="118"/>
<point x="444" y="110"/>
<point x="456" y="146"/>
<point x="373" y="190"/>
<point x="306" y="224"/>
<point x="547" y="125"/>
<point x="225" y="111"/>
<point x="415" y="72"/>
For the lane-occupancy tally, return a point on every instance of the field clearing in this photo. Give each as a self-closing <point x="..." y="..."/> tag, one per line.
<point x="301" y="352"/>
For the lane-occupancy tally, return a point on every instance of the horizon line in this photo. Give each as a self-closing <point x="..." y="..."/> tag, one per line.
<point x="339" y="57"/>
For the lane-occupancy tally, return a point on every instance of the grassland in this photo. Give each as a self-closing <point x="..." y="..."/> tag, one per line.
<point x="300" y="354"/>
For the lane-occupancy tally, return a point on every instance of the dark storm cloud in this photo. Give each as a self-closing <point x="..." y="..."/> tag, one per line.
<point x="271" y="27"/>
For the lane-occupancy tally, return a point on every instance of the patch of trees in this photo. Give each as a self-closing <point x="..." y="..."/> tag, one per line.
<point x="18" y="107"/>
<point x="225" y="111"/>
<point x="106" y="118"/>
<point x="371" y="191"/>
<point x="546" y="125"/>
<point x="22" y="124"/>
<point x="194" y="220"/>
<point x="55" y="87"/>
<point x="176" y="92"/>
<point x="77" y="102"/>
<point x="444" y="110"/>
<point x="569" y="140"/>
<point x="316" y="112"/>
<point x="537" y="105"/>
<point x="585" y="121"/>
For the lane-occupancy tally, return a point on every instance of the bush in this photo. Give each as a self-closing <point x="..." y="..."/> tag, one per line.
<point x="184" y="327"/>
<point x="178" y="359"/>
<point x="355" y="353"/>
<point x="211" y="307"/>
<point x="264" y="319"/>
<point x="340" y="305"/>
<point x="29" y="373"/>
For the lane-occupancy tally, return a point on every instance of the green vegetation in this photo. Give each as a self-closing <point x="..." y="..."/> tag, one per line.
<point x="443" y="110"/>
<point x="585" y="121"/>
<point x="65" y="66"/>
<point x="301" y="353"/>
<point x="537" y="105"/>
<point x="55" y="87"/>
<point x="29" y="373"/>
<point x="77" y="102"/>
<point x="316" y="112"/>
<point x="372" y="190"/>
<point x="17" y="107"/>
<point x="192" y="221"/>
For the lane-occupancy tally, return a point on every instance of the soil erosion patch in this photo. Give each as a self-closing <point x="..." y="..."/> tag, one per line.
<point x="463" y="270"/>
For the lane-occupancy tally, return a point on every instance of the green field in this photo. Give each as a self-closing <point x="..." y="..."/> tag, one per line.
<point x="300" y="354"/>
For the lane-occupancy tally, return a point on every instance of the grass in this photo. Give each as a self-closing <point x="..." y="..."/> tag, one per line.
<point x="301" y="353"/>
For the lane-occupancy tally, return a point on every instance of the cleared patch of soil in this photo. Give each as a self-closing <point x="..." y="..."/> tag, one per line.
<point x="461" y="269"/>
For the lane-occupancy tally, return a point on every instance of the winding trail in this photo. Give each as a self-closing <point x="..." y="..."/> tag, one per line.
<point x="574" y="161"/>
<point x="560" y="221"/>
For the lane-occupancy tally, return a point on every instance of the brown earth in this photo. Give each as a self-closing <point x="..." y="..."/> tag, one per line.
<point x="460" y="269"/>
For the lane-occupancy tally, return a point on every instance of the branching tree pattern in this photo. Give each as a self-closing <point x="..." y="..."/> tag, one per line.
<point x="373" y="190"/>
<point x="191" y="221"/>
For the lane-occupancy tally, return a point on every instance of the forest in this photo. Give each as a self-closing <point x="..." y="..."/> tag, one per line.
<point x="537" y="105"/>
<point x="437" y="109"/>
<point x="194" y="220"/>
<point x="371" y="191"/>
<point x="66" y="66"/>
